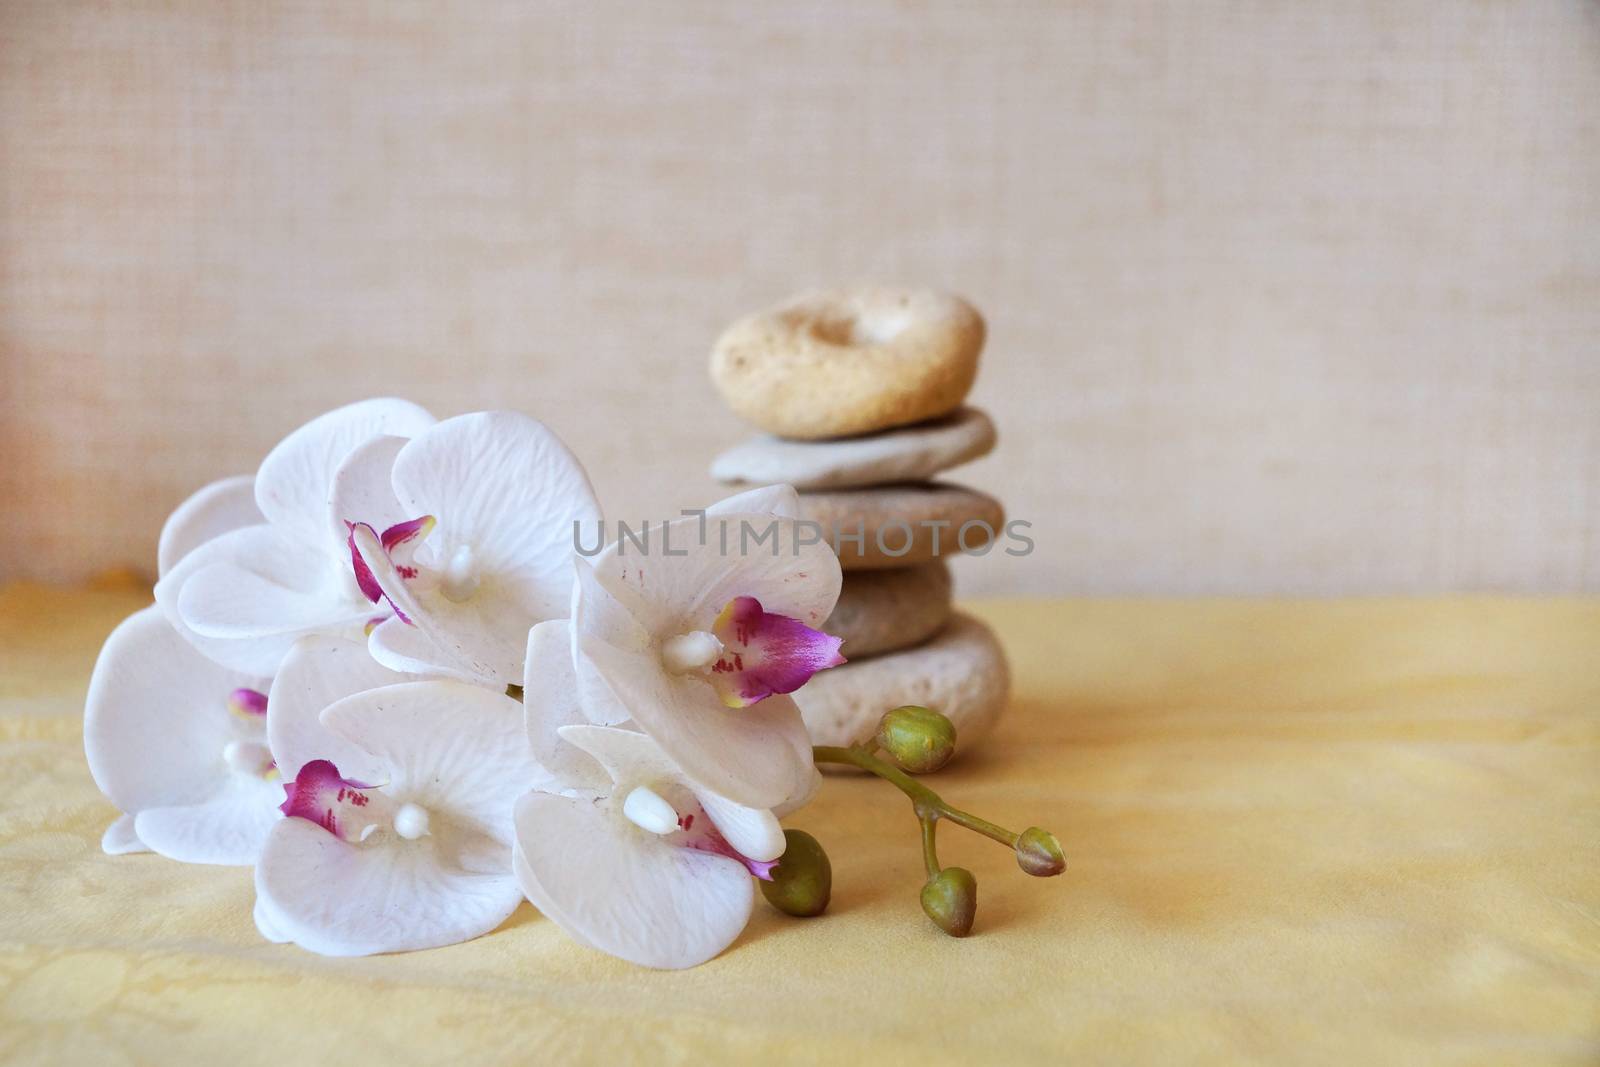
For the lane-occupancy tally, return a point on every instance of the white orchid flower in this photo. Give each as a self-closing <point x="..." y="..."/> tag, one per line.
<point x="407" y="843"/>
<point x="178" y="743"/>
<point x="244" y="596"/>
<point x="318" y="671"/>
<point x="699" y="641"/>
<point x="467" y="531"/>
<point x="653" y="867"/>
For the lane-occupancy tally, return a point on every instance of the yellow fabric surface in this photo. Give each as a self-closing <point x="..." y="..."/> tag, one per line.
<point x="1347" y="832"/>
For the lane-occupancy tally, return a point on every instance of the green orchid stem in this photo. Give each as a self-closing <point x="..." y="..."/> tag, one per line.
<point x="929" y="806"/>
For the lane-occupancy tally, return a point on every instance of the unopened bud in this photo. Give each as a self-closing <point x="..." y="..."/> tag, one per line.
<point x="951" y="900"/>
<point x="1039" y="853"/>
<point x="919" y="739"/>
<point x="803" y="879"/>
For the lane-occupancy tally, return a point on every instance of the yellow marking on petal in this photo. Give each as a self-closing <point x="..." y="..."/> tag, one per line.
<point x="731" y="699"/>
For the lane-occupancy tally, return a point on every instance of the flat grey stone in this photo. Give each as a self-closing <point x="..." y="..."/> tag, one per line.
<point x="961" y="673"/>
<point x="883" y="611"/>
<point x="903" y="525"/>
<point x="905" y="455"/>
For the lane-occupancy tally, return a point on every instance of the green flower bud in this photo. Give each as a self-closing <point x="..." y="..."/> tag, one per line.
<point x="803" y="879"/>
<point x="951" y="900"/>
<point x="1039" y="853"/>
<point x="919" y="739"/>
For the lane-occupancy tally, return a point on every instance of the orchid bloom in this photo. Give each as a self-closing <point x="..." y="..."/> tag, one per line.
<point x="244" y="596"/>
<point x="398" y="834"/>
<point x="316" y="672"/>
<point x="178" y="743"/>
<point x="699" y="643"/>
<point x="466" y="531"/>
<point x="653" y="867"/>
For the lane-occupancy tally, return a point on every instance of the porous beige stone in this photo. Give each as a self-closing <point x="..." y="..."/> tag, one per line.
<point x="909" y="454"/>
<point x="961" y="673"/>
<point x="903" y="525"/>
<point x="838" y="362"/>
<point x="883" y="611"/>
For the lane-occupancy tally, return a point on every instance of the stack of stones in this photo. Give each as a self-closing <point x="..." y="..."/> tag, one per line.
<point x="860" y="393"/>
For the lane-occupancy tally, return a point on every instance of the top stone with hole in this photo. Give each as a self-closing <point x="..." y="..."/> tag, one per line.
<point x="849" y="361"/>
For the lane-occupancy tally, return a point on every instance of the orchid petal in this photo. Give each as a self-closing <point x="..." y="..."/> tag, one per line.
<point x="550" y="700"/>
<point x="807" y="792"/>
<point x="366" y="581"/>
<point x="156" y="719"/>
<point x="294" y="484"/>
<point x="295" y="570"/>
<point x="343" y="899"/>
<point x="211" y="512"/>
<point x="228" y="602"/>
<point x="780" y="500"/>
<point x="613" y="612"/>
<point x="402" y="647"/>
<point x="624" y="755"/>
<point x="764" y="653"/>
<point x="771" y="559"/>
<point x="759" y="756"/>
<point x="444" y="745"/>
<point x="121" y="838"/>
<point x="599" y="614"/>
<point x="623" y="890"/>
<point x="362" y="487"/>
<point x="317" y="672"/>
<point x="229" y="828"/>
<point x="267" y="926"/>
<point x="752" y="832"/>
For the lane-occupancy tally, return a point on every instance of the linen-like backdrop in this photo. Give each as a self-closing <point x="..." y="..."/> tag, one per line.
<point x="1296" y="298"/>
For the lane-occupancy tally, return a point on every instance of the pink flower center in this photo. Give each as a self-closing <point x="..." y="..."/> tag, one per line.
<point x="248" y="704"/>
<point x="347" y="809"/>
<point x="399" y="544"/>
<point x="765" y="653"/>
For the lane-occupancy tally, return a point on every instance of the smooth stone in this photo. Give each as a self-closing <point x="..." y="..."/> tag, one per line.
<point x="903" y="525"/>
<point x="851" y="361"/>
<point x="883" y="611"/>
<point x="962" y="673"/>
<point x="910" y="454"/>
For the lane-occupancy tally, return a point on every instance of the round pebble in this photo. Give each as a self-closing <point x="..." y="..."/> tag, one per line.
<point x="849" y="361"/>
<point x="961" y="673"/>
<point x="903" y="525"/>
<point x="909" y="454"/>
<point x="882" y="611"/>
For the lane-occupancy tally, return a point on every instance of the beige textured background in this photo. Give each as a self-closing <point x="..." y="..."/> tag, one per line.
<point x="1284" y="297"/>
